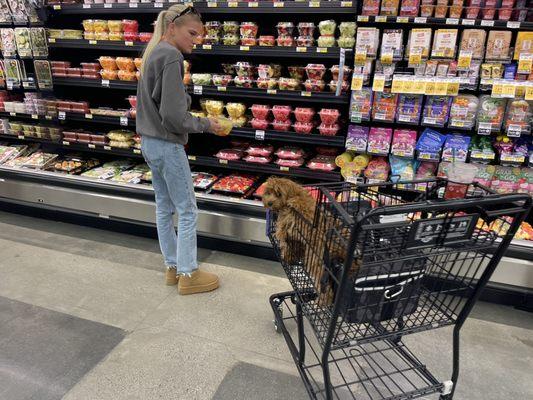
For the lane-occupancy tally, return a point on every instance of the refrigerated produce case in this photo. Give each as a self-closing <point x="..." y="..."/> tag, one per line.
<point x="239" y="216"/>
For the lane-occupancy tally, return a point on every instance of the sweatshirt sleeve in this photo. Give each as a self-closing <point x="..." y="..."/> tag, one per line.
<point x="173" y="109"/>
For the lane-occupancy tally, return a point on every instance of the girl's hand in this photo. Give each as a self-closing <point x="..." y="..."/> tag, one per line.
<point x="215" y="126"/>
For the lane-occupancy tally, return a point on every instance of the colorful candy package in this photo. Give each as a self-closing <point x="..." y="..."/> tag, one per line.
<point x="403" y="143"/>
<point x="409" y="108"/>
<point x="456" y="148"/>
<point x="379" y="140"/>
<point x="357" y="138"/>
<point x="384" y="108"/>
<point x="436" y="110"/>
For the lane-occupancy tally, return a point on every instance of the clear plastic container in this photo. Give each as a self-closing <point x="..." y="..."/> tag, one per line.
<point x="262" y="150"/>
<point x="314" y="85"/>
<point x="248" y="29"/>
<point x="114" y="26"/>
<point x="304" y="114"/>
<point x="108" y="63"/>
<point x="130" y="26"/>
<point x="229" y="154"/>
<point x="109" y="74"/>
<point x="126" y="75"/>
<point x="259" y="123"/>
<point x="282" y="113"/>
<point x="285" y="41"/>
<point x="329" y="116"/>
<point x="306" y="28"/>
<point x="281" y="125"/>
<point x="303" y="127"/>
<point x="296" y="72"/>
<point x="93" y="67"/>
<point x="284" y="162"/>
<point x="328" y="130"/>
<point x="285" y="28"/>
<point x="290" y="153"/>
<point x="260" y="111"/>
<point x="315" y="71"/>
<point x="266" y="40"/>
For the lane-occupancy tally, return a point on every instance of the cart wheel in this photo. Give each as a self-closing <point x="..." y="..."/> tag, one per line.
<point x="277" y="328"/>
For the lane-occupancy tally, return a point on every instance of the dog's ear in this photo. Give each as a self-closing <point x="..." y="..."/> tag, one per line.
<point x="275" y="185"/>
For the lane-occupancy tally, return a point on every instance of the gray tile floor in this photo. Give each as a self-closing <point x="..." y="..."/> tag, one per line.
<point x="84" y="315"/>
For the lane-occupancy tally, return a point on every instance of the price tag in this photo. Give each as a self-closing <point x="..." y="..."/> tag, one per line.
<point x="409" y="86"/>
<point x="20" y="136"/>
<point x="306" y="94"/>
<point x="61" y="115"/>
<point x="207" y="47"/>
<point x="482" y="155"/>
<point x="380" y="18"/>
<point x="48" y="117"/>
<point x="430" y="121"/>
<point x="133" y="5"/>
<point x="464" y="60"/>
<point x="279" y="4"/>
<point x="529" y="93"/>
<point x="51" y="40"/>
<point x="346" y="3"/>
<point x="281" y="168"/>
<point x="419" y="87"/>
<point x="484" y="128"/>
<point x="514" y="130"/>
<point x="356" y="117"/>
<point x="108" y="148"/>
<point x="91" y="146"/>
<point x="245" y="48"/>
<point x="222" y="88"/>
<point x="321" y="50"/>
<point x="212" y="4"/>
<point x="198" y="89"/>
<point x="453" y="87"/>
<point x="486" y="22"/>
<point x="362" y="18"/>
<point x="253" y="4"/>
<point x="357" y="81"/>
<point x="136" y="151"/>
<point x="513" y="158"/>
<point x="387" y="57"/>
<point x="508" y="90"/>
<point x="468" y="22"/>
<point x="525" y="63"/>
<point x="513" y="24"/>
<point x="441" y="88"/>
<point x="86" y="6"/>
<point x="223" y="161"/>
<point x="430" y="87"/>
<point x="9" y="85"/>
<point x="192" y="158"/>
<point x="497" y="89"/>
<point x="428" y="156"/>
<point x="404" y="118"/>
<point x="158" y="5"/>
<point x="105" y="82"/>
<point x="13" y="114"/>
<point x="88" y="116"/>
<point x="314" y="4"/>
<point x="301" y="49"/>
<point x="272" y="91"/>
<point x="421" y="20"/>
<point x="360" y="56"/>
<point x="65" y="143"/>
<point x="397" y="84"/>
<point x="128" y="43"/>
<point x="402" y="20"/>
<point x="108" y="5"/>
<point x="260" y="135"/>
<point x="233" y="4"/>
<point x="379" y="83"/>
<point x="452" y="21"/>
<point x="415" y="57"/>
<point x="57" y="7"/>
<point x="124" y="121"/>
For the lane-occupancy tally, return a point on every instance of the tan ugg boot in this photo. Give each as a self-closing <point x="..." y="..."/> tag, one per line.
<point x="197" y="282"/>
<point x="171" y="276"/>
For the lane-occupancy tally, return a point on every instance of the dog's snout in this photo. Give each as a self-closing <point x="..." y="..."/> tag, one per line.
<point x="269" y="204"/>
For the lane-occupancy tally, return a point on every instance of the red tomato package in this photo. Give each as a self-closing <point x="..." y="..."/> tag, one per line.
<point x="229" y="154"/>
<point x="257" y="159"/>
<point x="261" y="150"/>
<point x="290" y="153"/>
<point x="282" y="162"/>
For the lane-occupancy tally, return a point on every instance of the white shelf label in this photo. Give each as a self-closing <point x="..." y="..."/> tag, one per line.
<point x="421" y="20"/>
<point x="452" y="21"/>
<point x="136" y="151"/>
<point x="107" y="5"/>
<point x="20" y="136"/>
<point x="513" y="24"/>
<point x="158" y="5"/>
<point x="105" y="83"/>
<point x="91" y="146"/>
<point x="13" y="114"/>
<point x="223" y="161"/>
<point x="86" y="6"/>
<point x="428" y="120"/>
<point x="109" y="147"/>
<point x="514" y="130"/>
<point x="133" y="5"/>
<point x="468" y="21"/>
<point x="65" y="143"/>
<point x="279" y="4"/>
<point x="486" y="22"/>
<point x="484" y="128"/>
<point x="124" y="121"/>
<point x="198" y="89"/>
<point x="259" y="135"/>
<point x="88" y="116"/>
<point x="61" y="115"/>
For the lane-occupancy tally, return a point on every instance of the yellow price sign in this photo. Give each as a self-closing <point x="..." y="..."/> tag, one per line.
<point x="430" y="87"/>
<point x="441" y="88"/>
<point x="525" y="63"/>
<point x="508" y="90"/>
<point x="357" y="81"/>
<point x="233" y="4"/>
<point x="419" y="87"/>
<point x="360" y="56"/>
<point x="397" y="85"/>
<point x="362" y="18"/>
<point x="408" y="86"/>
<point x="497" y="89"/>
<point x="314" y="4"/>
<point x="453" y="88"/>
<point x="387" y="57"/>
<point x="379" y="83"/>
<point x="464" y="60"/>
<point x="415" y="57"/>
<point x="380" y="18"/>
<point x="253" y="4"/>
<point x="528" y="95"/>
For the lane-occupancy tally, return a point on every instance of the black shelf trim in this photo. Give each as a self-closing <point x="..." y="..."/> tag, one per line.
<point x="70" y="116"/>
<point x="214" y="7"/>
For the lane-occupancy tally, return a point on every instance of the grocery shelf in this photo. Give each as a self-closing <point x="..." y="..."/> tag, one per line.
<point x="72" y="116"/>
<point x="230" y="91"/>
<point x="323" y="53"/>
<point x="214" y="7"/>
<point x="454" y="22"/>
<point x="204" y="161"/>
<point x="293" y="137"/>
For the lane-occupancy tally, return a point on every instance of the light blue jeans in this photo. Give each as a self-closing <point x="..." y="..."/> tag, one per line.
<point x="174" y="193"/>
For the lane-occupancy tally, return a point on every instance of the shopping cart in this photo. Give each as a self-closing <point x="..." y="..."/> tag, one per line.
<point x="381" y="261"/>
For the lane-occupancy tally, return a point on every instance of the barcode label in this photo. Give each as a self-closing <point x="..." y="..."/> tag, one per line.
<point x="260" y="135"/>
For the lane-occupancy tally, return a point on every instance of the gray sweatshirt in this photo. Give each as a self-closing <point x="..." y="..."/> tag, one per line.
<point x="162" y="100"/>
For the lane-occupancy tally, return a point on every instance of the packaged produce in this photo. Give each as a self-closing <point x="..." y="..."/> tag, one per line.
<point x="226" y="126"/>
<point x="281" y="125"/>
<point x="13" y="72"/>
<point x="436" y="110"/>
<point x="203" y="180"/>
<point x="329" y="116"/>
<point x="145" y="36"/>
<point x="229" y="154"/>
<point x="212" y="27"/>
<point x="109" y="74"/>
<point x="444" y="43"/>
<point x="347" y="29"/>
<point x="239" y="122"/>
<point x="305" y="41"/>
<point x="114" y="36"/>
<point x="296" y="72"/>
<point x="367" y="41"/>
<point x="327" y="41"/>
<point x="230" y="39"/>
<point x="130" y="26"/>
<point x="74" y="72"/>
<point x="243" y="81"/>
<point x="385" y="104"/>
<point x="269" y="70"/>
<point x="357" y="138"/>
<point x="518" y="118"/>
<point x="246" y="41"/>
<point x="99" y="25"/>
<point x="419" y="41"/>
<point x="409" y="108"/>
<point x="306" y="28"/>
<point x="314" y="85"/>
<point x="23" y="41"/>
<point x="114" y="26"/>
<point x="266" y="40"/>
<point x="248" y="29"/>
<point x="392" y="42"/>
<point x="304" y="114"/>
<point x="260" y="150"/>
<point x="235" y="110"/>
<point x="267" y="83"/>
<point x="361" y="104"/>
<point x="322" y="163"/>
<point x="303" y="127"/>
<point x="222" y="80"/>
<point x="345" y="86"/>
<point x="335" y="72"/>
<point x="43" y="73"/>
<point x="377" y="170"/>
<point x="345" y="42"/>
<point x="120" y="135"/>
<point x="315" y="71"/>
<point x="9" y="46"/>
<point x="491" y="110"/>
<point x="88" y="25"/>
<point x="498" y="45"/>
<point x="290" y="163"/>
<point x="201" y="79"/>
<point x="473" y="40"/>
<point x="379" y="140"/>
<point x="244" y="69"/>
<point x="230" y="27"/>
<point x="282" y="113"/>
<point x="257" y="159"/>
<point x="211" y="39"/>
<point x="285" y="28"/>
<point x="328" y="130"/>
<point x="288" y="84"/>
<point x="235" y="183"/>
<point x="214" y="108"/>
<point x="257" y="123"/>
<point x="403" y="143"/>
<point x="125" y="64"/>
<point x="463" y="111"/>
<point x="327" y="27"/>
<point x="506" y="179"/>
<point x="107" y="63"/>
<point x="285" y="41"/>
<point x="290" y="153"/>
<point x="38" y="41"/>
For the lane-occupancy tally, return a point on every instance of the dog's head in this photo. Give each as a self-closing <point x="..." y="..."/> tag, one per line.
<point x="278" y="191"/>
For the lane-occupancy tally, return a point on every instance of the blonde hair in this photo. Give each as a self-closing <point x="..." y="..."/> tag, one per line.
<point x="164" y="18"/>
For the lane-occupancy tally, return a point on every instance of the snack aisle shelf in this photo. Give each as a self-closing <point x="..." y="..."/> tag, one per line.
<point x="448" y="22"/>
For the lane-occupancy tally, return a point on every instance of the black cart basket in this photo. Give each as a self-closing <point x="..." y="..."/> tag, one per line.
<point x="380" y="261"/>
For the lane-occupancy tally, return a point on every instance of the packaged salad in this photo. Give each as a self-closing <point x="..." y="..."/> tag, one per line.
<point x="361" y="105"/>
<point x="491" y="112"/>
<point x="23" y="41"/>
<point x="463" y="111"/>
<point x="518" y="117"/>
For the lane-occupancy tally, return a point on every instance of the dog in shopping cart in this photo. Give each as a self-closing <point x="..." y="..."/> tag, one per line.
<point x="287" y="199"/>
